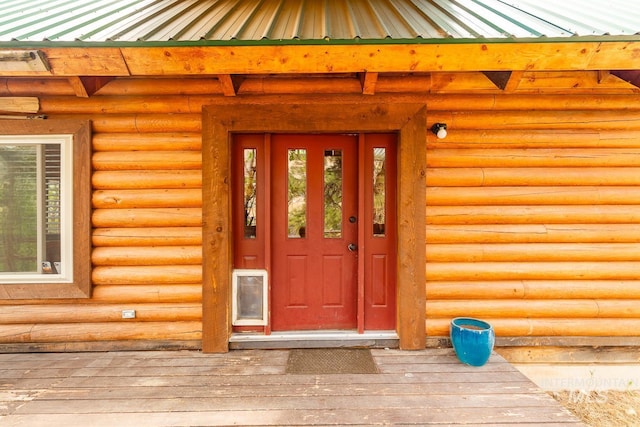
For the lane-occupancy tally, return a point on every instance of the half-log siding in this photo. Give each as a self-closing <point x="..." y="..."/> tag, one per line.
<point x="533" y="206"/>
<point x="533" y="209"/>
<point x="147" y="236"/>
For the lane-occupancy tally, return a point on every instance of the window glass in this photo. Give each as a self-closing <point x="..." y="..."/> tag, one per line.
<point x="333" y="193"/>
<point x="33" y="203"/>
<point x="250" y="199"/>
<point x="297" y="193"/>
<point x="379" y="193"/>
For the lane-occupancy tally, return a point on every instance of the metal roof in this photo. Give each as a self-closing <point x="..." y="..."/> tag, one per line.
<point x="140" y="22"/>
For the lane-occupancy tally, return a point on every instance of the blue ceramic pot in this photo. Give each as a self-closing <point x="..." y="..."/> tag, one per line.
<point x="472" y="340"/>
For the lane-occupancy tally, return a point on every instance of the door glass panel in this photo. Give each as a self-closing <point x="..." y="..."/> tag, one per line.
<point x="333" y="194"/>
<point x="297" y="193"/>
<point x="250" y="200"/>
<point x="379" y="194"/>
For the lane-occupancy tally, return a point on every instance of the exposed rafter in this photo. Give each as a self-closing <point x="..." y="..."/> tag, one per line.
<point x="602" y="75"/>
<point x="84" y="87"/>
<point x="368" y="82"/>
<point x="229" y="84"/>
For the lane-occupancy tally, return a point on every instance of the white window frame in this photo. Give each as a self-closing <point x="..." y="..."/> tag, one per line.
<point x="66" y="210"/>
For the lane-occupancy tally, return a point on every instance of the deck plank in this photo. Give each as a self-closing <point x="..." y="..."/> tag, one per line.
<point x="249" y="387"/>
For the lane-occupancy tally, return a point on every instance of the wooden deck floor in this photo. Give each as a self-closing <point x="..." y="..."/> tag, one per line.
<point x="250" y="387"/>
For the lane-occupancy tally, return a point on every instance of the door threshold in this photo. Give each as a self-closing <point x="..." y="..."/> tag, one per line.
<point x="314" y="339"/>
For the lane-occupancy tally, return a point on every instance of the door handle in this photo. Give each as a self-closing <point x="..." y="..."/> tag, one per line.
<point x="352" y="247"/>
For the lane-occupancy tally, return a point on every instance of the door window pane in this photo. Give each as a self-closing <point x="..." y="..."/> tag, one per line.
<point x="333" y="193"/>
<point x="297" y="193"/>
<point x="379" y="193"/>
<point x="250" y="199"/>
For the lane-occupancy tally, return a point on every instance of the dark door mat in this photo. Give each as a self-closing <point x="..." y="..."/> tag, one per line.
<point x="318" y="361"/>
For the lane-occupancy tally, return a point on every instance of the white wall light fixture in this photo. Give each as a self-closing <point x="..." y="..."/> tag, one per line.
<point x="440" y="130"/>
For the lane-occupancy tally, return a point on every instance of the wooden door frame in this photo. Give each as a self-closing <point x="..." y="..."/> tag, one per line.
<point x="300" y="116"/>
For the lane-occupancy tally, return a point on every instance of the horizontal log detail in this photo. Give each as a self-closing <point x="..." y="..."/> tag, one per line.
<point x="556" y="327"/>
<point x="308" y="85"/>
<point x="142" y="123"/>
<point x="537" y="157"/>
<point x="534" y="289"/>
<point x="529" y="102"/>
<point x="514" y="252"/>
<point x="140" y="256"/>
<point x="160" y="86"/>
<point x="149" y="104"/>
<point x="551" y="214"/>
<point x="504" y="308"/>
<point x="522" y="119"/>
<point x="210" y="88"/>
<point x="156" y="236"/>
<point x="489" y="271"/>
<point x="104" y="331"/>
<point x="35" y="87"/>
<point x="536" y="177"/>
<point x="143" y="275"/>
<point x="137" y="294"/>
<point x="146" y="160"/>
<point x="533" y="138"/>
<point x="532" y="195"/>
<point x="147" y="142"/>
<point x="111" y="180"/>
<point x="533" y="233"/>
<point x="147" y="198"/>
<point x="95" y="313"/>
<point x="136" y="218"/>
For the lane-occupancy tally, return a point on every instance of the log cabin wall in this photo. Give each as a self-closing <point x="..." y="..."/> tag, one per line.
<point x="533" y="206"/>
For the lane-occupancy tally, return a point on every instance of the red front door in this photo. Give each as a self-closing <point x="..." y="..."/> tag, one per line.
<point x="314" y="232"/>
<point x="318" y="212"/>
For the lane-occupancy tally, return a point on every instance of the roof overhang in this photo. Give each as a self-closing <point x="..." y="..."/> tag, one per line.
<point x="178" y="60"/>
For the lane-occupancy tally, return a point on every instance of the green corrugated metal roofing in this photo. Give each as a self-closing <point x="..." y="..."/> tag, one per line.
<point x="123" y="22"/>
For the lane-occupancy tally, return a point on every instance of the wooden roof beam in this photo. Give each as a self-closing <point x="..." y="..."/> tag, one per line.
<point x="393" y="58"/>
<point x="506" y="81"/>
<point x="315" y="59"/>
<point x="368" y="82"/>
<point x="84" y="87"/>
